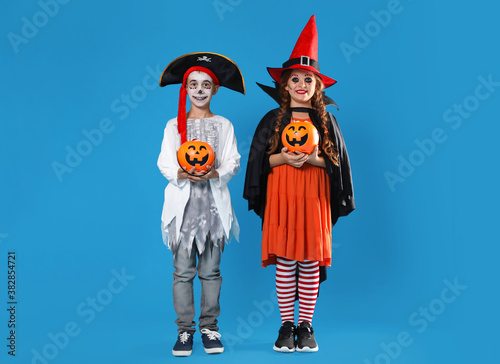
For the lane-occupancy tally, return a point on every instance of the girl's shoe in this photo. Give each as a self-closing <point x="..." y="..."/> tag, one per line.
<point x="306" y="343"/>
<point x="286" y="338"/>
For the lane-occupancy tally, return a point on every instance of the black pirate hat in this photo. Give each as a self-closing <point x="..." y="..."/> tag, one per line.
<point x="226" y="71"/>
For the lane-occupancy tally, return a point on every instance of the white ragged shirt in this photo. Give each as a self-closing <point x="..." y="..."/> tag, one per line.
<point x="219" y="133"/>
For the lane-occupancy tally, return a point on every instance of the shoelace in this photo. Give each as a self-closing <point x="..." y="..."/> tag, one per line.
<point x="287" y="331"/>
<point x="184" y="337"/>
<point x="212" y="335"/>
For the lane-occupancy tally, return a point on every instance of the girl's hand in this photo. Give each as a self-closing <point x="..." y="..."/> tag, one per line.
<point x="201" y="176"/>
<point x="314" y="159"/>
<point x="296" y="159"/>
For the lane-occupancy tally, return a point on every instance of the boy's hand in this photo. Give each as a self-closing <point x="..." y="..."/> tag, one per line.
<point x="183" y="174"/>
<point x="200" y="176"/>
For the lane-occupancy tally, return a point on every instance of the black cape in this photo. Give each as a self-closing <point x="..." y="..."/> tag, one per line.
<point x="341" y="190"/>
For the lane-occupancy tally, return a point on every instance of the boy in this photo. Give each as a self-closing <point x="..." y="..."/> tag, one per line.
<point x="198" y="217"/>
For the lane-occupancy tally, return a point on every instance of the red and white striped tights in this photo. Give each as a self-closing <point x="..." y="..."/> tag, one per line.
<point x="286" y="288"/>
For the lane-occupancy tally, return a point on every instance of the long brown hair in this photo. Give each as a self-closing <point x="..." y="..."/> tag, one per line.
<point x="328" y="147"/>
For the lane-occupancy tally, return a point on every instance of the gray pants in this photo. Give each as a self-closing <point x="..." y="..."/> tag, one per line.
<point x="182" y="287"/>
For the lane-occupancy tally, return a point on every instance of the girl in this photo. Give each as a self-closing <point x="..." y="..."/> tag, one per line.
<point x="299" y="196"/>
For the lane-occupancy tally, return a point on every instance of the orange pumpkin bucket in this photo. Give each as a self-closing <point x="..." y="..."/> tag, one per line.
<point x="300" y="136"/>
<point x="196" y="154"/>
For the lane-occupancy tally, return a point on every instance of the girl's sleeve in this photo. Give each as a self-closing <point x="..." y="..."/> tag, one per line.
<point x="230" y="158"/>
<point x="167" y="161"/>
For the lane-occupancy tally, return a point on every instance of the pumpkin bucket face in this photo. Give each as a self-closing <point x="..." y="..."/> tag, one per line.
<point x="195" y="154"/>
<point x="300" y="136"/>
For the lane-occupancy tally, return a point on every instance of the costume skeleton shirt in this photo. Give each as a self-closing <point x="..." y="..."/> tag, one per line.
<point x="193" y="211"/>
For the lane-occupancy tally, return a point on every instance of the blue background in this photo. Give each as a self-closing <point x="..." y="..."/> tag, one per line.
<point x="73" y="232"/>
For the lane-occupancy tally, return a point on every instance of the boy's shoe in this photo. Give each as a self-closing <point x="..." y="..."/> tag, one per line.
<point x="184" y="344"/>
<point x="306" y="343"/>
<point x="286" y="338"/>
<point x="211" y="341"/>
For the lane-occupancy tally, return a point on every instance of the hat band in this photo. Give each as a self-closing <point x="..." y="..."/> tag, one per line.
<point x="202" y="69"/>
<point x="303" y="61"/>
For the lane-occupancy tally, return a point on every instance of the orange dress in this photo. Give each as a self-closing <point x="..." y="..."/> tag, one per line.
<point x="297" y="218"/>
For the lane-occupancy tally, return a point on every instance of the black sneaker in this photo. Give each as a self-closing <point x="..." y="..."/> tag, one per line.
<point x="286" y="338"/>
<point x="184" y="344"/>
<point x="211" y="341"/>
<point x="306" y="343"/>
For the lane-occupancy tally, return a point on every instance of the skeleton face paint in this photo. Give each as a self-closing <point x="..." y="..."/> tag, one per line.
<point x="199" y="88"/>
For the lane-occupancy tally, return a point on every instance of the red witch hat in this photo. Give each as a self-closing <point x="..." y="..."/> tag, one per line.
<point x="304" y="55"/>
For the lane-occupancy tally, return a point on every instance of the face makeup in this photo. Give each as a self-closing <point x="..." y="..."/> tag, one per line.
<point x="199" y="87"/>
<point x="301" y="85"/>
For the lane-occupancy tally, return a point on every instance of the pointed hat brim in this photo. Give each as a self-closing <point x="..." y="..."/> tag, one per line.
<point x="275" y="94"/>
<point x="277" y="72"/>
